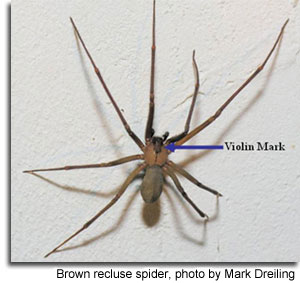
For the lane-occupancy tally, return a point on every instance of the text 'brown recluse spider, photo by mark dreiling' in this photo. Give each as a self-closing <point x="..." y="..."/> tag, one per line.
<point x="155" y="155"/>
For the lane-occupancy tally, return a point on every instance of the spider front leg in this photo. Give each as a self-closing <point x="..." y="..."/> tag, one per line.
<point x="149" y="126"/>
<point x="220" y="110"/>
<point x="129" y="179"/>
<point x="97" y="71"/>
<point x="189" y="117"/>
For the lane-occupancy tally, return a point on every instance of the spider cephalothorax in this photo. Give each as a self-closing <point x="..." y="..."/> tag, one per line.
<point x="154" y="154"/>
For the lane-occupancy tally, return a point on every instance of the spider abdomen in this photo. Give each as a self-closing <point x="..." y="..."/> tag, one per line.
<point x="152" y="184"/>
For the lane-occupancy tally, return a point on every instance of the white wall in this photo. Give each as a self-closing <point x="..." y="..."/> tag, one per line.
<point x="61" y="116"/>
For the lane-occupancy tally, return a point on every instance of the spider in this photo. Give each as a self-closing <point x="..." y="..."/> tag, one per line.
<point x="155" y="156"/>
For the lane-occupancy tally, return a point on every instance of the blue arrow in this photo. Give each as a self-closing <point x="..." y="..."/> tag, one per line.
<point x="172" y="147"/>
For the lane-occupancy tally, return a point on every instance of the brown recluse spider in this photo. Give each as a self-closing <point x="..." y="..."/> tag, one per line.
<point x="155" y="156"/>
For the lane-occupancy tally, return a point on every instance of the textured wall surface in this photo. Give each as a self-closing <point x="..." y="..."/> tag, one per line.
<point x="61" y="116"/>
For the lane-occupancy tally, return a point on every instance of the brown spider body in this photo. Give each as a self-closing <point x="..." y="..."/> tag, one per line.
<point x="154" y="155"/>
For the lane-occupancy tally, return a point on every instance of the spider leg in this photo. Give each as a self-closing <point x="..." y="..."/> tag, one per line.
<point x="188" y="176"/>
<point x="171" y="173"/>
<point x="220" y="110"/>
<point x="149" y="126"/>
<point x="129" y="179"/>
<point x="189" y="117"/>
<point x="99" y="165"/>
<point x="97" y="71"/>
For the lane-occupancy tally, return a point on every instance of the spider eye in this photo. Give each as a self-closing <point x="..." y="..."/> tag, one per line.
<point x="157" y="142"/>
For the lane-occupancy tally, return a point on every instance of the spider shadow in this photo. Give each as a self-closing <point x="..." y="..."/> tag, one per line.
<point x="73" y="188"/>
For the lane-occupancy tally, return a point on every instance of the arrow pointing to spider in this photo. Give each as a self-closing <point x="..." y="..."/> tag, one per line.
<point x="172" y="147"/>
